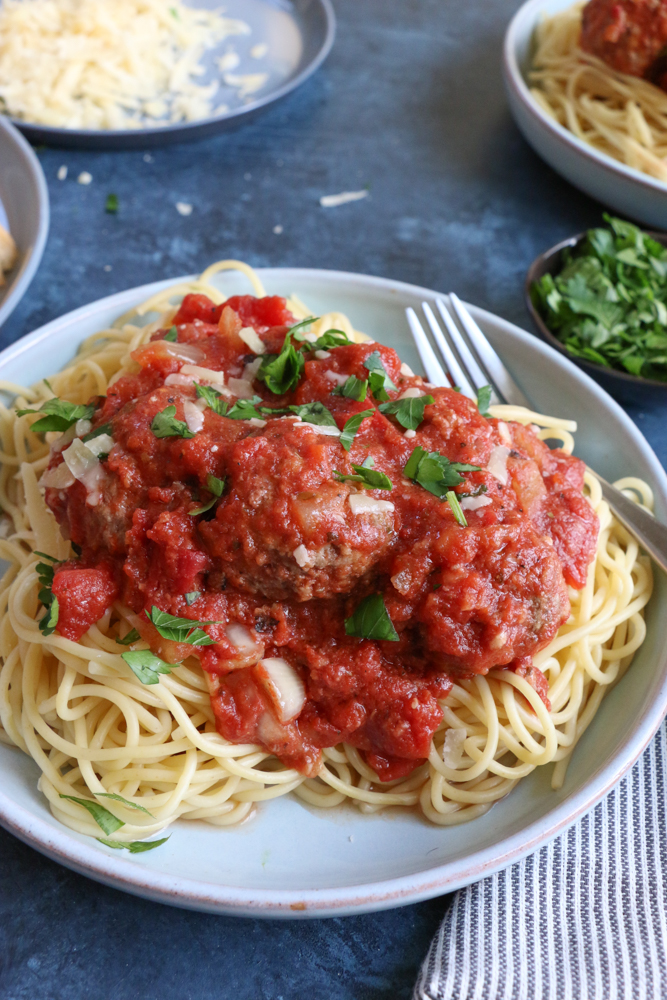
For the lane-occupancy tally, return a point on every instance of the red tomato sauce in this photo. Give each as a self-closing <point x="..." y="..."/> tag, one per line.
<point x="281" y="559"/>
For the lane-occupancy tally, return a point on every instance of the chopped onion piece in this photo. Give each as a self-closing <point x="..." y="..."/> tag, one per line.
<point x="239" y="387"/>
<point x="58" y="479"/>
<point x="473" y="503"/>
<point x="257" y="422"/>
<point x="204" y="375"/>
<point x="411" y="394"/>
<point x="181" y="352"/>
<point x="86" y="467"/>
<point x="283" y="686"/>
<point x="194" y="417"/>
<point x="249" y="337"/>
<point x="185" y="380"/>
<point x="362" y="504"/>
<point x="100" y="445"/>
<point x="240" y="637"/>
<point x="498" y="463"/>
<point x="406" y="370"/>
<point x="452" y="750"/>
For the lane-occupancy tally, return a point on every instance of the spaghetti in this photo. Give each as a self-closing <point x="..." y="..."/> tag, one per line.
<point x="95" y="731"/>
<point x="618" y="114"/>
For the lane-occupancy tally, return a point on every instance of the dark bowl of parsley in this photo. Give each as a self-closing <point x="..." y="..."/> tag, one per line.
<point x="600" y="298"/>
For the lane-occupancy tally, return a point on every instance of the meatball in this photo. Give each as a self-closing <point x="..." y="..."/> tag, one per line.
<point x="629" y="35"/>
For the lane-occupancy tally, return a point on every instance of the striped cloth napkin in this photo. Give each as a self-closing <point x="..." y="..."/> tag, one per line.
<point x="585" y="918"/>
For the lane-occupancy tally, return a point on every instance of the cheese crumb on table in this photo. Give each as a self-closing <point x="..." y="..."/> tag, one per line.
<point x="334" y="200"/>
<point x="183" y="208"/>
<point x="84" y="178"/>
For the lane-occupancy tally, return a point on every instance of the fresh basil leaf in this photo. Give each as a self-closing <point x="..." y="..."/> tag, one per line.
<point x="296" y="331"/>
<point x="371" y="620"/>
<point x="376" y="384"/>
<point x="171" y="335"/>
<point x="133" y="846"/>
<point x="408" y="412"/>
<point x="126" y="802"/>
<point x="369" y="478"/>
<point x="435" y="472"/>
<point x="60" y="415"/>
<point x="127" y="640"/>
<point x="354" y="388"/>
<point x="146" y="665"/>
<point x="483" y="399"/>
<point x="213" y="398"/>
<point x="102" y="429"/>
<point x="192" y="596"/>
<point x="382" y="382"/>
<point x="216" y="486"/>
<point x="204" y="508"/>
<point x="245" y="409"/>
<point x="104" y="819"/>
<point x="351" y="427"/>
<point x="332" y="338"/>
<point x="165" y="425"/>
<point x="281" y="372"/>
<point x="180" y="629"/>
<point x="314" y="413"/>
<point x="44" y="555"/>
<point x="47" y="624"/>
<point x="457" y="511"/>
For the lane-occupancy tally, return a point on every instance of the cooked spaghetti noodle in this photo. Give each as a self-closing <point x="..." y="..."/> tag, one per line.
<point x="620" y="115"/>
<point x="92" y="727"/>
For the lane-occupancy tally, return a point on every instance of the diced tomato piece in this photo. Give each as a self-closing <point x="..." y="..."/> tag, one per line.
<point x="261" y="314"/>
<point x="83" y="597"/>
<point x="197" y="307"/>
<point x="391" y="768"/>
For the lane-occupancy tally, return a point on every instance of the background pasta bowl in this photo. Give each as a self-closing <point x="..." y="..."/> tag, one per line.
<point x="629" y="191"/>
<point x="294" y="861"/>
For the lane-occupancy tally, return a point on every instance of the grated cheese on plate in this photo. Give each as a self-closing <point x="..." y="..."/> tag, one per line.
<point x="108" y="64"/>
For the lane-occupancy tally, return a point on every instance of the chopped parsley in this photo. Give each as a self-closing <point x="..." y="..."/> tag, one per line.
<point x="60" y="415"/>
<point x="409" y="412"/>
<point x="378" y="377"/>
<point x="171" y="335"/>
<point x="371" y="620"/>
<point x="134" y="846"/>
<point x="213" y="398"/>
<point x="313" y="413"/>
<point x="281" y="372"/>
<point x="608" y="303"/>
<point x="126" y="802"/>
<point x="332" y="338"/>
<point x="216" y="486"/>
<point x="367" y="476"/>
<point x="180" y="629"/>
<point x="104" y="819"/>
<point x="351" y="427"/>
<point x="48" y="622"/>
<point x="435" y="472"/>
<point x="146" y="665"/>
<point x="165" y="424"/>
<point x="484" y="399"/>
<point x="127" y="640"/>
<point x="354" y="388"/>
<point x="111" y="204"/>
<point x="453" y="502"/>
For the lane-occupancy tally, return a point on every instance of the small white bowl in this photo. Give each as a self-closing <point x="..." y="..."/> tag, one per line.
<point x="628" y="191"/>
<point x="25" y="199"/>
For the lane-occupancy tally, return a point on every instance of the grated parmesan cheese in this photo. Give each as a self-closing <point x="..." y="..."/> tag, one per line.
<point x="362" y="504"/>
<point x="108" y="64"/>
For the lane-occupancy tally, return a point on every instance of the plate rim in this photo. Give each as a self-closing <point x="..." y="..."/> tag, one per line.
<point x="516" y="82"/>
<point x="182" y="131"/>
<point x="32" y="255"/>
<point x="60" y="845"/>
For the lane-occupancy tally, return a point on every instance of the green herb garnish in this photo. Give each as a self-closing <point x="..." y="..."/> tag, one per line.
<point x="111" y="204"/>
<point x="453" y="502"/>
<point x="147" y="666"/>
<point x="216" y="486"/>
<point x="180" y="629"/>
<point x="281" y="372"/>
<point x="48" y="622"/>
<point x="313" y="413"/>
<point x="608" y="304"/>
<point x="367" y="476"/>
<point x="354" y="388"/>
<point x="371" y="620"/>
<point x="127" y="640"/>
<point x="435" y="472"/>
<point x="332" y="338"/>
<point x="104" y="819"/>
<point x="165" y="425"/>
<point x="351" y="427"/>
<point x="378" y="378"/>
<point x="192" y="596"/>
<point x="484" y="399"/>
<point x="126" y="802"/>
<point x="133" y="846"/>
<point x="60" y="415"/>
<point x="213" y="398"/>
<point x="171" y="335"/>
<point x="409" y="412"/>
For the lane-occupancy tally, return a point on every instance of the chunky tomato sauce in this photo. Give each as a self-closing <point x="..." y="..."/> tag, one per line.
<point x="281" y="559"/>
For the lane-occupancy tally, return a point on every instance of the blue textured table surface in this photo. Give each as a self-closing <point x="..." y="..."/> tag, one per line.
<point x="410" y="102"/>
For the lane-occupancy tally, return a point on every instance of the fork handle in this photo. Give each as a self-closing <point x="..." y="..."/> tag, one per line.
<point x="649" y="532"/>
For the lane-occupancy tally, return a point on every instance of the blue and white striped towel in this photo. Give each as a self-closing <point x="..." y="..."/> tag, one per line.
<point x="585" y="918"/>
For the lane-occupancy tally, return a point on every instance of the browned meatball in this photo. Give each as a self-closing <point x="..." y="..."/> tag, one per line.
<point x="629" y="35"/>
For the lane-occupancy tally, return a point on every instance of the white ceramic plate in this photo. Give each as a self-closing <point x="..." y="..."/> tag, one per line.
<point x="298" y="35"/>
<point x="24" y="210"/>
<point x="292" y="861"/>
<point x="629" y="191"/>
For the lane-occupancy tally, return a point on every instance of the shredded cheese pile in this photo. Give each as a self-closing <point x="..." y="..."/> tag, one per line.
<point x="108" y="64"/>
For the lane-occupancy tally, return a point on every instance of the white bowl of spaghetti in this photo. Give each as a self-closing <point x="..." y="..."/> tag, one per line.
<point x="120" y="744"/>
<point x="604" y="131"/>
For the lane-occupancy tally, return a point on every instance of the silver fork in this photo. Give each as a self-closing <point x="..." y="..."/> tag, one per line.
<point x="463" y="353"/>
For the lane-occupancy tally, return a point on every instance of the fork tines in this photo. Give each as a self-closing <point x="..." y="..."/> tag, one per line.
<point x="463" y="357"/>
